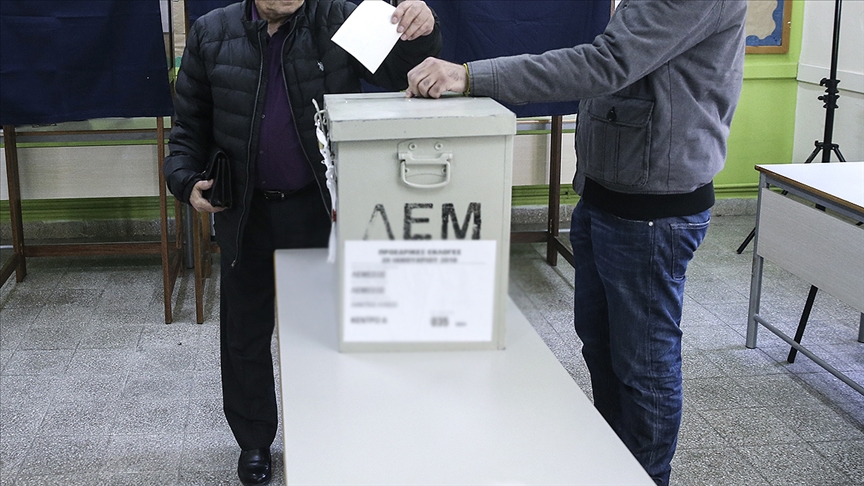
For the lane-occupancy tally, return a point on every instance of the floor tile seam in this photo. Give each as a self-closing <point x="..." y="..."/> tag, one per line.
<point x="832" y="465"/>
<point x="818" y="316"/>
<point x="744" y="456"/>
<point x="100" y="405"/>
<point x="74" y="352"/>
<point x="771" y="411"/>
<point x="538" y="305"/>
<point x="759" y="397"/>
<point x="58" y="373"/>
<point x="741" y="338"/>
<point x="714" y="306"/>
<point x="176" y="475"/>
<point x="848" y="417"/>
<point x="799" y="377"/>
<point x="554" y="288"/>
<point x="818" y="443"/>
<point x="835" y="358"/>
<point x="732" y="410"/>
<point x="839" y="414"/>
<point x="9" y="357"/>
<point x="20" y="310"/>
<point x="739" y="454"/>
<point x="125" y="381"/>
<point x="831" y="339"/>
<point x="63" y="326"/>
<point x="751" y="441"/>
<point x="117" y="347"/>
<point x="712" y="427"/>
<point x="818" y="350"/>
<point x="814" y="446"/>
<point x="746" y="381"/>
<point x="713" y="355"/>
<point x="557" y="269"/>
<point x="175" y="470"/>
<point x="153" y="398"/>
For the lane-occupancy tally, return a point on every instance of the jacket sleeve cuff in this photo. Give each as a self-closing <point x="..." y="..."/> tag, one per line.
<point x="482" y="78"/>
<point x="187" y="191"/>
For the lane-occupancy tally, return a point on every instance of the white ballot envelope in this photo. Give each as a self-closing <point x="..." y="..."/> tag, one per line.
<point x="368" y="34"/>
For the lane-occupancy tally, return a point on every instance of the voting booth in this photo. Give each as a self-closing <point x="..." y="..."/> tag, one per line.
<point x="422" y="204"/>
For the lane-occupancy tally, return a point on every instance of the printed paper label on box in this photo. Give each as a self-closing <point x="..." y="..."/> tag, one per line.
<point x="418" y="290"/>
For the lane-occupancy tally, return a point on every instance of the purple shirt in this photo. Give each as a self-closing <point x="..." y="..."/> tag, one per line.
<point x="282" y="164"/>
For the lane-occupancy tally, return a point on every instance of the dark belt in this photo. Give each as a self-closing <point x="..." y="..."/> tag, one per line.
<point x="270" y="195"/>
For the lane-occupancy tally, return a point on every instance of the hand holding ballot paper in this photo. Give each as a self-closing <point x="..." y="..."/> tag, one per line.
<point x="375" y="26"/>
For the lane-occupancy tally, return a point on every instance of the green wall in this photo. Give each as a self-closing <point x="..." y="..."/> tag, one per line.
<point x="96" y="208"/>
<point x="763" y="129"/>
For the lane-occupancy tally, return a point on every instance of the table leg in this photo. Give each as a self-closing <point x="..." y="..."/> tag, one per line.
<point x="861" y="330"/>
<point x="755" y="277"/>
<point x="16" y="262"/>
<point x="554" y="190"/>
<point x="171" y="258"/>
<point x="755" y="295"/>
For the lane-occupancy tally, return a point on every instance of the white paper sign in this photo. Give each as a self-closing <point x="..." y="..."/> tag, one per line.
<point x="367" y="34"/>
<point x="418" y="290"/>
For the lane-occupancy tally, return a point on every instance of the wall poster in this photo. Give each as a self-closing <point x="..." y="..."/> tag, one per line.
<point x="767" y="28"/>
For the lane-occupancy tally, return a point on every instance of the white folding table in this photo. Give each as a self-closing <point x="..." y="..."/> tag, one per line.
<point x="512" y="416"/>
<point x="822" y="247"/>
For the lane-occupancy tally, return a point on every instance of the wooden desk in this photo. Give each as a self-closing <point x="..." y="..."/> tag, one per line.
<point x="169" y="250"/>
<point x="550" y="236"/>
<point x="445" y="418"/>
<point x="824" y="248"/>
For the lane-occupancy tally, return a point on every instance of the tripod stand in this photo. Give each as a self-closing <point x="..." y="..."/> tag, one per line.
<point x="830" y="99"/>
<point x="825" y="147"/>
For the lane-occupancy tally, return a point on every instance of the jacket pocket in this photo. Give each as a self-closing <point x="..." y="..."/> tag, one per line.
<point x="617" y="137"/>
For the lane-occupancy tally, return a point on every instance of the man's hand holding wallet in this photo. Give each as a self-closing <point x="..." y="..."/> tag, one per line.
<point x="213" y="194"/>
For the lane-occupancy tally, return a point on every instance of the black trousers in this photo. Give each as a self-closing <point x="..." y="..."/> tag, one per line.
<point x="247" y="314"/>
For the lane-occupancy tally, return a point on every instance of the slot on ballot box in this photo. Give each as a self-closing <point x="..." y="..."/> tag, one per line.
<point x="422" y="204"/>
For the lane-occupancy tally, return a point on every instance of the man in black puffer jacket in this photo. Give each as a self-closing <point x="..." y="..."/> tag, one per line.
<point x="249" y="74"/>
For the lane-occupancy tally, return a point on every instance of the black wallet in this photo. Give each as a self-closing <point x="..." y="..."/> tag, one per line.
<point x="218" y="169"/>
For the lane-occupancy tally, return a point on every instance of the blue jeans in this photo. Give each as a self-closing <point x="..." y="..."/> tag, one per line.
<point x="628" y="301"/>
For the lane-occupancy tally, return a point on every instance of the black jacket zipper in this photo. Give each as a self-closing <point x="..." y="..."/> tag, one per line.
<point x="246" y="201"/>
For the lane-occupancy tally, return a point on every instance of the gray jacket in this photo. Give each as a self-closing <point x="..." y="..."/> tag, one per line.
<point x="658" y="91"/>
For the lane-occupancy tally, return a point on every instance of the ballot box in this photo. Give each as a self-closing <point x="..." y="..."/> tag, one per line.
<point x="422" y="210"/>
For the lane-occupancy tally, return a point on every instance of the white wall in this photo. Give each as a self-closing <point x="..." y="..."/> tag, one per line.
<point x="815" y="63"/>
<point x="130" y="170"/>
<point x="85" y="171"/>
<point x="531" y="159"/>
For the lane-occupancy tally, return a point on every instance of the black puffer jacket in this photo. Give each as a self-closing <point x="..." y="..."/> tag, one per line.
<point x="220" y="94"/>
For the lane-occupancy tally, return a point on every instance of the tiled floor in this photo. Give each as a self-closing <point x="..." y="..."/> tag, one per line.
<point x="96" y="389"/>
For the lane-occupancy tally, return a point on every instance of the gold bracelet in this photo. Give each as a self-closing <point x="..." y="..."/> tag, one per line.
<point x="467" y="91"/>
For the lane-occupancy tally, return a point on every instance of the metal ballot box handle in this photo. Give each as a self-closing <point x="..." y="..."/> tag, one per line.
<point x="425" y="164"/>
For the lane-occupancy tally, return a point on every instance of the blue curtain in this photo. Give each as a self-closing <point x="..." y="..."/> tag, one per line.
<point x="480" y="29"/>
<point x="66" y="60"/>
<point x="197" y="8"/>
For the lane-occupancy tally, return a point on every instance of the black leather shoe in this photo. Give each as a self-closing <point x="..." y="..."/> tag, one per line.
<point x="253" y="467"/>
